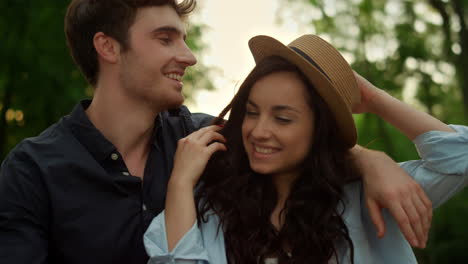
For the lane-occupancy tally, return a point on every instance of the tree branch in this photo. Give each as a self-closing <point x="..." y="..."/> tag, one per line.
<point x="442" y="9"/>
<point x="462" y="63"/>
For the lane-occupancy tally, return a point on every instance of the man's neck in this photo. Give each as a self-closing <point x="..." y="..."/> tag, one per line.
<point x="128" y="125"/>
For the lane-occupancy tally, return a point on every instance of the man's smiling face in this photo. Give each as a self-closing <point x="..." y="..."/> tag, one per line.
<point x="152" y="68"/>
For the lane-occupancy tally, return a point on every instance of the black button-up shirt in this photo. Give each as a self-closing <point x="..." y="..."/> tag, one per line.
<point x="66" y="196"/>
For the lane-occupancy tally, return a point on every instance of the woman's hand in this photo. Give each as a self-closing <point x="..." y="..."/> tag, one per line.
<point x="386" y="185"/>
<point x="193" y="153"/>
<point x="368" y="94"/>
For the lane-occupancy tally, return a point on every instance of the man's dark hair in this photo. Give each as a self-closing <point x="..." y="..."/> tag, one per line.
<point x="84" y="18"/>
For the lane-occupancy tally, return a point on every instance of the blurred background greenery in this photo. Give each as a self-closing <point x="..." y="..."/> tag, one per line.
<point x="416" y="50"/>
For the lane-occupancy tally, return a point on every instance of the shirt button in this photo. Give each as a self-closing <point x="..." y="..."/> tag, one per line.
<point x="143" y="207"/>
<point x="126" y="173"/>
<point x="114" y="156"/>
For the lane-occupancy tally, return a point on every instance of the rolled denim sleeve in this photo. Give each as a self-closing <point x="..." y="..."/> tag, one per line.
<point x="442" y="171"/>
<point x="189" y="249"/>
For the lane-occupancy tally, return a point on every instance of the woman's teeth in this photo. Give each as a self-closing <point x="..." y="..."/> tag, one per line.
<point x="263" y="150"/>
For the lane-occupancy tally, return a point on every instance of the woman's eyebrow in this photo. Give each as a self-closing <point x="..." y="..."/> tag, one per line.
<point x="249" y="102"/>
<point x="285" y="107"/>
<point x="276" y="108"/>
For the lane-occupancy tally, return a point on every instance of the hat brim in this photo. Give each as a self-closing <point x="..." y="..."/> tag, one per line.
<point x="265" y="46"/>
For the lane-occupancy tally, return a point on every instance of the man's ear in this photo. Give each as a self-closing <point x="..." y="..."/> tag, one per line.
<point x="107" y="48"/>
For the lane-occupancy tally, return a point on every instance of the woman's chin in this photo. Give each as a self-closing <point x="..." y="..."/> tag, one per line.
<point x="261" y="169"/>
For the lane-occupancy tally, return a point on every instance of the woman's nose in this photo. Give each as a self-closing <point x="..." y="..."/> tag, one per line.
<point x="261" y="130"/>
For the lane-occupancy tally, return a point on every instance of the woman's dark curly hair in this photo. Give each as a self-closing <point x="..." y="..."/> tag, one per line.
<point x="244" y="200"/>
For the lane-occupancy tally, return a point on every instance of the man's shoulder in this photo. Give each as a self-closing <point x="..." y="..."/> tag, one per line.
<point x="192" y="121"/>
<point x="199" y="120"/>
<point x="49" y="143"/>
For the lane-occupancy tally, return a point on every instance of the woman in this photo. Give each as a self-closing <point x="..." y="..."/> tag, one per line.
<point x="280" y="193"/>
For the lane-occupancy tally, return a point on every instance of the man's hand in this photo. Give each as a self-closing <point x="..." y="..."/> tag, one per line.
<point x="386" y="185"/>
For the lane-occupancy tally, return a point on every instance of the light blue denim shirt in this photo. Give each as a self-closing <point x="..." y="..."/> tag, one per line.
<point x="442" y="172"/>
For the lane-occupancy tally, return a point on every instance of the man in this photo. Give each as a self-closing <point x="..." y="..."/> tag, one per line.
<point x="68" y="194"/>
<point x="86" y="189"/>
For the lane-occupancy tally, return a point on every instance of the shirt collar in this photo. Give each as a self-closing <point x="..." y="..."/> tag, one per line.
<point x="91" y="138"/>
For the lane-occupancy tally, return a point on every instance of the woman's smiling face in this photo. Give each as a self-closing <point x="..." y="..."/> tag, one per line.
<point x="278" y="124"/>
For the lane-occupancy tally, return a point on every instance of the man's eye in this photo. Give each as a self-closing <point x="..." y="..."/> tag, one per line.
<point x="165" y="40"/>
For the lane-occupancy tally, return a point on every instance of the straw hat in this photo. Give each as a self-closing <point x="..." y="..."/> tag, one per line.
<point x="325" y="68"/>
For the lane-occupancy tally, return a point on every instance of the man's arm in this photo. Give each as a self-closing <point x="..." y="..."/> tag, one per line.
<point x="24" y="212"/>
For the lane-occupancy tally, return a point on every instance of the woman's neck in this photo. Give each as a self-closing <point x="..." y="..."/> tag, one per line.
<point x="283" y="183"/>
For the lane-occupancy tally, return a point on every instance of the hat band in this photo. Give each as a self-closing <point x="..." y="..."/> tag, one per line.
<point x="310" y="60"/>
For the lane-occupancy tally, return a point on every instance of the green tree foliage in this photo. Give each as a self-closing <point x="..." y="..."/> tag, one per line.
<point x="417" y="51"/>
<point x="38" y="81"/>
